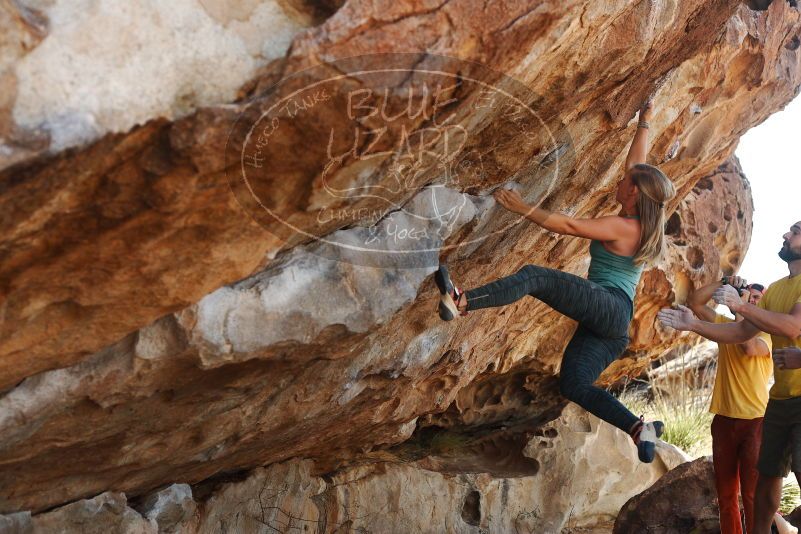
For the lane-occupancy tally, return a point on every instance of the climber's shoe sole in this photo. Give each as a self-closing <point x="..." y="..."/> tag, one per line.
<point x="447" y="307"/>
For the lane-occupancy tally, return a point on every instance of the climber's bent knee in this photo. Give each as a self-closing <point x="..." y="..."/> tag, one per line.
<point x="571" y="390"/>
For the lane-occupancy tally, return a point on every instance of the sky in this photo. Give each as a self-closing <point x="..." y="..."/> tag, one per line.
<point x="770" y="155"/>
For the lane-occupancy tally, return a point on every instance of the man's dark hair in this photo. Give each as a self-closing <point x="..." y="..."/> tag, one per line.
<point x="758" y="287"/>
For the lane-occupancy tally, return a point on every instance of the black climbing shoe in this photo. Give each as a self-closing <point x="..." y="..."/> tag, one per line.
<point x="646" y="439"/>
<point x="449" y="295"/>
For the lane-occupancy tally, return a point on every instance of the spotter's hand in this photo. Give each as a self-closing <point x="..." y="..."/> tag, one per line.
<point x="679" y="318"/>
<point x="736" y="281"/>
<point x="728" y="296"/>
<point x="787" y="358"/>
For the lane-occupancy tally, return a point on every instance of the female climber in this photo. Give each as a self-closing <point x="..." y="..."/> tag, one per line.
<point x="603" y="302"/>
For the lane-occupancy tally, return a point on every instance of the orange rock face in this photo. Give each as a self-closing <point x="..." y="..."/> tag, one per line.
<point x="156" y="328"/>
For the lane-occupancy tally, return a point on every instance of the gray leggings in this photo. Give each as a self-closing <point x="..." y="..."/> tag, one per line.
<point x="603" y="314"/>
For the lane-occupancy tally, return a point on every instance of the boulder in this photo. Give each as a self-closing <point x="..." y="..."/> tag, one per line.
<point x="572" y="474"/>
<point x="682" y="501"/>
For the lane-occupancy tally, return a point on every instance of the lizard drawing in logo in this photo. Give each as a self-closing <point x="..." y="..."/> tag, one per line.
<point x="418" y="182"/>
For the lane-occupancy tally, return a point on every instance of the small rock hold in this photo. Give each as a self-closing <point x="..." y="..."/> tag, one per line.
<point x="169" y="507"/>
<point x="554" y="154"/>
<point x="672" y="151"/>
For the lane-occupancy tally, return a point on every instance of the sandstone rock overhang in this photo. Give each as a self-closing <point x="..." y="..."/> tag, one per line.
<point x="142" y="306"/>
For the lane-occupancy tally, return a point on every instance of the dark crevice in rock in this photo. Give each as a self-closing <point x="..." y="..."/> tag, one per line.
<point x="758" y="5"/>
<point x="696" y="257"/>
<point x="499" y="453"/>
<point x="205" y="489"/>
<point x="673" y="227"/>
<point x="704" y="184"/>
<point x="471" y="509"/>
<point x="318" y="10"/>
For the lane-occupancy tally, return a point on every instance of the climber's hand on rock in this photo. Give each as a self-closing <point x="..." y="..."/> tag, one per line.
<point x="787" y="358"/>
<point x="512" y="201"/>
<point x="646" y="108"/>
<point x="678" y="318"/>
<point x="728" y="296"/>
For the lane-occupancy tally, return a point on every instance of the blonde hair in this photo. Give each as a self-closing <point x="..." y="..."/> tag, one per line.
<point x="654" y="190"/>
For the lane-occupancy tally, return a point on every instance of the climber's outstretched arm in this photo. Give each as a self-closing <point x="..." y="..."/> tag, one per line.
<point x="638" y="152"/>
<point x="609" y="228"/>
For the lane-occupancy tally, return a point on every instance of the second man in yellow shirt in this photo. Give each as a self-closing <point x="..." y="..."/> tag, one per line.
<point x="739" y="398"/>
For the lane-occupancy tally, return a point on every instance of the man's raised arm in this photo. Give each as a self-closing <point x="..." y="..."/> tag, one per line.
<point x="779" y="324"/>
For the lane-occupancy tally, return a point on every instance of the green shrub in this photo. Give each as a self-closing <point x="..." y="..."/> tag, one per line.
<point x="687" y="427"/>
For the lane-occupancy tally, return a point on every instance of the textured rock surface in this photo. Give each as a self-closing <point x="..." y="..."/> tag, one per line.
<point x="22" y="28"/>
<point x="303" y="386"/>
<point x="108" y="512"/>
<point x="682" y="501"/>
<point x="170" y="508"/>
<point x="105" y="241"/>
<point x="156" y="61"/>
<point x="561" y="480"/>
<point x="153" y="332"/>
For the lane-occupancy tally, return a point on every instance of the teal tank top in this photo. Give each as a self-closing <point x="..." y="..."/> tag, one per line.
<point x="612" y="270"/>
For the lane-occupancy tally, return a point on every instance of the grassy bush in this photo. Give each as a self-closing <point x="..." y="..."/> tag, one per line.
<point x="687" y="426"/>
<point x="791" y="497"/>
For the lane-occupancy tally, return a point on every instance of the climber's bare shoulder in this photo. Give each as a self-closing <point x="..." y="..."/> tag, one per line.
<point x="619" y="234"/>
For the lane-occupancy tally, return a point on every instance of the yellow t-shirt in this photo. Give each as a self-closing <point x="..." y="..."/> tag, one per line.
<point x="741" y="381"/>
<point x="780" y="297"/>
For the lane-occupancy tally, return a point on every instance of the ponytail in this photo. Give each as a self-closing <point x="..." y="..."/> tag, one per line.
<point x="654" y="190"/>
